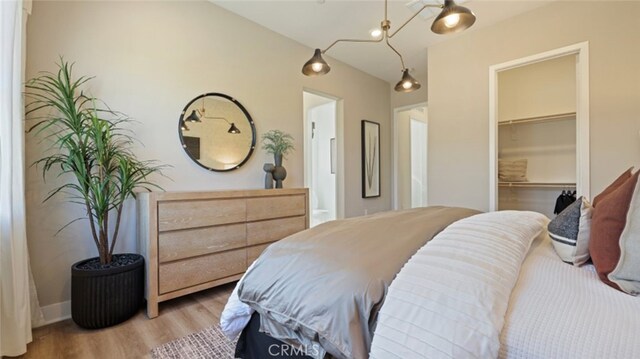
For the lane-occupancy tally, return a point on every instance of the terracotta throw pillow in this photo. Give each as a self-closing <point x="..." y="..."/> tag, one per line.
<point x="612" y="187"/>
<point x="627" y="273"/>
<point x="608" y="222"/>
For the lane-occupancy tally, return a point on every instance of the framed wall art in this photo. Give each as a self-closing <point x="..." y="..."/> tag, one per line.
<point x="370" y="159"/>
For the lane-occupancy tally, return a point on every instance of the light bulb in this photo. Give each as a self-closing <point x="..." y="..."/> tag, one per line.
<point x="375" y="33"/>
<point x="406" y="84"/>
<point x="452" y="20"/>
<point x="316" y="66"/>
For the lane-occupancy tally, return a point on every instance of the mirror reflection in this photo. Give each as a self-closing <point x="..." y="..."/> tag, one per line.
<point x="217" y="132"/>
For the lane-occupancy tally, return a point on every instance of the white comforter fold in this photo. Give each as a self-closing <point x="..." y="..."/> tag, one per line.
<point x="450" y="299"/>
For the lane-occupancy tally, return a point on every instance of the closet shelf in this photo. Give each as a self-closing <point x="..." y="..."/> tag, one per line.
<point x="538" y="119"/>
<point x="538" y="184"/>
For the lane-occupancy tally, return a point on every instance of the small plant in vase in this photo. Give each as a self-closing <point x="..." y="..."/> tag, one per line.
<point x="279" y="144"/>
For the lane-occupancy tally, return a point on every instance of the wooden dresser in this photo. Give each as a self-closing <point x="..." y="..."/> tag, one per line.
<point x="197" y="240"/>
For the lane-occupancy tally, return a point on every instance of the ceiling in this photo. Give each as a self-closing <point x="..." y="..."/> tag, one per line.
<point x="317" y="23"/>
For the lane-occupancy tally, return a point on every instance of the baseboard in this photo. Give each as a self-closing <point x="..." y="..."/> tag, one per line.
<point x="56" y="312"/>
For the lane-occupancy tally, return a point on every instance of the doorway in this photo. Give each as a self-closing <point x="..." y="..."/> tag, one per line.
<point x="578" y="119"/>
<point x="321" y="156"/>
<point x="410" y="156"/>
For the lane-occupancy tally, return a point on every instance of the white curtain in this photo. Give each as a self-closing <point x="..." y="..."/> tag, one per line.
<point x="17" y="294"/>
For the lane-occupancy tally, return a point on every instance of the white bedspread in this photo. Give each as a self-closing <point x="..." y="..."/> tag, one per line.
<point x="235" y="315"/>
<point x="450" y="299"/>
<point x="555" y="310"/>
<point x="561" y="311"/>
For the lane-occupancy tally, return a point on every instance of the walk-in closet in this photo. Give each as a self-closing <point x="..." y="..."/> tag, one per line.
<point x="536" y="134"/>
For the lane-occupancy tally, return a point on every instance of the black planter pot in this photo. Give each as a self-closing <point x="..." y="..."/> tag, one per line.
<point x="104" y="297"/>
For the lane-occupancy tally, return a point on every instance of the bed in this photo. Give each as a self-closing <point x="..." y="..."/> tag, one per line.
<point x="472" y="286"/>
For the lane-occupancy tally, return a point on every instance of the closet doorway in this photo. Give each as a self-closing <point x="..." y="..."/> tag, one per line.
<point x="539" y="129"/>
<point x="410" y="156"/>
<point x="321" y="156"/>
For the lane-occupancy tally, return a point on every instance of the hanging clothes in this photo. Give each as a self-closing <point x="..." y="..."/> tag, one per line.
<point x="564" y="200"/>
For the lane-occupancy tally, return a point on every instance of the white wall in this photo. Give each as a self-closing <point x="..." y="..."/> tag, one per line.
<point x="150" y="59"/>
<point x="459" y="99"/>
<point x="544" y="88"/>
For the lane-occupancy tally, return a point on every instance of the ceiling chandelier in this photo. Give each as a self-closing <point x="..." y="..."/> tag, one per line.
<point x="453" y="18"/>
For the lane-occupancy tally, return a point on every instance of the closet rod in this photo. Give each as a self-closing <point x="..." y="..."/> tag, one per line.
<point x="537" y="184"/>
<point x="554" y="117"/>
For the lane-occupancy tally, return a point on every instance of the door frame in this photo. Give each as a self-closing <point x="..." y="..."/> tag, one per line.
<point x="339" y="118"/>
<point x="581" y="50"/>
<point x="394" y="176"/>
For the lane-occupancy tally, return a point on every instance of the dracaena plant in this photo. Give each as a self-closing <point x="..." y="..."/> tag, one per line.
<point x="88" y="144"/>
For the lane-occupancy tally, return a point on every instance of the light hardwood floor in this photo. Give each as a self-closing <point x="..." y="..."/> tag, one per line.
<point x="135" y="337"/>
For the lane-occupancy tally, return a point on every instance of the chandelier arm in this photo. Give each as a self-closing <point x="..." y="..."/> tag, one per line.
<point x="217" y="118"/>
<point x="413" y="16"/>
<point x="349" y="40"/>
<point x="396" y="51"/>
<point x="202" y="114"/>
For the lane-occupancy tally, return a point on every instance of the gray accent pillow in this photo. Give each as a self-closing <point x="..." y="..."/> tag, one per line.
<point x="627" y="272"/>
<point x="570" y="232"/>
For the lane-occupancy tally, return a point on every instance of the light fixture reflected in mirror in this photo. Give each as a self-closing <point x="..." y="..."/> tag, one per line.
<point x="453" y="18"/>
<point x="198" y="114"/>
<point x="193" y="117"/>
<point x="233" y="129"/>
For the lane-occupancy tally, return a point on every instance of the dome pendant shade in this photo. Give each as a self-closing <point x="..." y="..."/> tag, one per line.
<point x="193" y="117"/>
<point x="408" y="83"/>
<point x="453" y="18"/>
<point x="316" y="66"/>
<point x="183" y="126"/>
<point x="233" y="129"/>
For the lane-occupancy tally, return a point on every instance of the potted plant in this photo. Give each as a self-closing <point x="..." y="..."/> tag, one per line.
<point x="89" y="145"/>
<point x="279" y="144"/>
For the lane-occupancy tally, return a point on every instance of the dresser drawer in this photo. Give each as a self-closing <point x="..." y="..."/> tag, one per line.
<point x="191" y="214"/>
<point x="254" y="252"/>
<point x="192" y="241"/>
<point x="187" y="243"/>
<point x="193" y="271"/>
<point x="276" y="207"/>
<point x="274" y="229"/>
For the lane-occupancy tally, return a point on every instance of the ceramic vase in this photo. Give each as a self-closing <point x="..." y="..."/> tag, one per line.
<point x="268" y="177"/>
<point x="279" y="172"/>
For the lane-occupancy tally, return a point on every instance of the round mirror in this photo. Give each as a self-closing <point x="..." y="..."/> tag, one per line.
<point x="217" y="132"/>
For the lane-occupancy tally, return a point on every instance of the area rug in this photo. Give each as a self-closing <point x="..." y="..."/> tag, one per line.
<point x="208" y="343"/>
